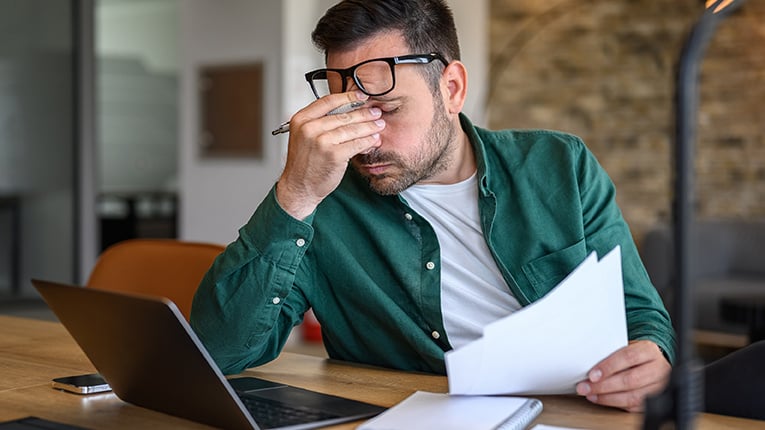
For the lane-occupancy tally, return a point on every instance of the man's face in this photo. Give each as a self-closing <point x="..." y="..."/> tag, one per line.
<point x="415" y="144"/>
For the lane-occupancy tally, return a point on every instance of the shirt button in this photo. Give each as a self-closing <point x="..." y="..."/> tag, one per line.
<point x="435" y="334"/>
<point x="430" y="265"/>
<point x="408" y="216"/>
<point x="276" y="300"/>
<point x="300" y="242"/>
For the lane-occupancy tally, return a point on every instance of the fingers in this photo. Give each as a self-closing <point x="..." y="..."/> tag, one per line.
<point x="323" y="108"/>
<point x="327" y="104"/>
<point x="632" y="401"/>
<point x="638" y="376"/>
<point x="627" y="376"/>
<point x="626" y="389"/>
<point x="347" y="133"/>
<point x="634" y="354"/>
<point x="319" y="148"/>
<point x="360" y="126"/>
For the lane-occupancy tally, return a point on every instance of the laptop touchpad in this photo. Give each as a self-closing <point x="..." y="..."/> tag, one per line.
<point x="313" y="400"/>
<point x="243" y="385"/>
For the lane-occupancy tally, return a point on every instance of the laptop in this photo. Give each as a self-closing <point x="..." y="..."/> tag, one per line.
<point x="150" y="356"/>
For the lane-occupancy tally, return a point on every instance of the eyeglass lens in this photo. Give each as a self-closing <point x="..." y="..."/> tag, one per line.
<point x="374" y="78"/>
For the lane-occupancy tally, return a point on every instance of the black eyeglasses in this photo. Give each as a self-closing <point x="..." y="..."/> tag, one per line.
<point x="373" y="77"/>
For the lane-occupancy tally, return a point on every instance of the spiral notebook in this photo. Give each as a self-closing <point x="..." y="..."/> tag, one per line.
<point x="424" y="410"/>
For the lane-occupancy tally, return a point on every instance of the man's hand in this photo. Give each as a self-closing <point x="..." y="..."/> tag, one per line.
<point x="625" y="378"/>
<point x="320" y="147"/>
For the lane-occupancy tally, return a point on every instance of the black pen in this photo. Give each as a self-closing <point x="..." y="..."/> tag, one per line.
<point x="285" y="127"/>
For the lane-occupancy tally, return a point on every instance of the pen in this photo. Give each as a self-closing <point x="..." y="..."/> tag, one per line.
<point x="285" y="126"/>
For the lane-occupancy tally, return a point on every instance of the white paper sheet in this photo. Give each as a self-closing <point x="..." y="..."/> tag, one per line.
<point x="438" y="411"/>
<point x="550" y="345"/>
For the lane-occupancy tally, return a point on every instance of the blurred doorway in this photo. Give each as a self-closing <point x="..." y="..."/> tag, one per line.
<point x="137" y="121"/>
<point x="39" y="123"/>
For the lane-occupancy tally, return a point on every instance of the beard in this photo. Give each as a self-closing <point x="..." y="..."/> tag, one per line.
<point x="435" y="155"/>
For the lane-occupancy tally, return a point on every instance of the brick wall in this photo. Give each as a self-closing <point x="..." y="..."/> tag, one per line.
<point x="605" y="70"/>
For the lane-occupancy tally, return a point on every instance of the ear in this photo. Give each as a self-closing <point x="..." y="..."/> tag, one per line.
<point x="454" y="86"/>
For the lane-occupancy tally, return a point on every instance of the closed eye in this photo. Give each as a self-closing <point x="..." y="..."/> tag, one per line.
<point x="389" y="106"/>
<point x="390" y="110"/>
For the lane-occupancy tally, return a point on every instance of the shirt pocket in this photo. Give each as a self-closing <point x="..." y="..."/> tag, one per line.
<point x="546" y="272"/>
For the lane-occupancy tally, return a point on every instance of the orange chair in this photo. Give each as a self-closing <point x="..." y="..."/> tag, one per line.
<point x="160" y="267"/>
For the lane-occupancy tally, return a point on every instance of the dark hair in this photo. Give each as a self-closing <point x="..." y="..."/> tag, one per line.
<point x="426" y="25"/>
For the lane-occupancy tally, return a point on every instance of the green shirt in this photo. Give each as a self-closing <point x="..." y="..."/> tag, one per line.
<point x="369" y="265"/>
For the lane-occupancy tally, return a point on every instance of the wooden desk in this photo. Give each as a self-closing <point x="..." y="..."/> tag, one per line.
<point x="32" y="352"/>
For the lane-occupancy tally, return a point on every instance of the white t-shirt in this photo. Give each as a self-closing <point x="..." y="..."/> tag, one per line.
<point x="473" y="292"/>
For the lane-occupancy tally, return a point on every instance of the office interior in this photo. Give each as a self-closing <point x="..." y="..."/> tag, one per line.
<point x="103" y="130"/>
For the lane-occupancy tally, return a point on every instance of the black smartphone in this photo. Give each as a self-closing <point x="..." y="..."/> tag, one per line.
<point x="82" y="384"/>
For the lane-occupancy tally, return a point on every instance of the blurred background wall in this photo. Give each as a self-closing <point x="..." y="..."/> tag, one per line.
<point x="605" y="70"/>
<point x="602" y="69"/>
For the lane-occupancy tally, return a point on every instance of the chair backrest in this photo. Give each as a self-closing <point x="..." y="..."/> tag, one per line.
<point x="735" y="384"/>
<point x="721" y="248"/>
<point x="160" y="267"/>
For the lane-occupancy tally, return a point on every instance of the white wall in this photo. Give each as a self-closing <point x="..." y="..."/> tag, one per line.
<point x="146" y="30"/>
<point x="472" y="21"/>
<point x="218" y="196"/>
<point x="137" y="95"/>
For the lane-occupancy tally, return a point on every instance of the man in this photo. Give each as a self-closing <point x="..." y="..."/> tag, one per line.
<point x="407" y="229"/>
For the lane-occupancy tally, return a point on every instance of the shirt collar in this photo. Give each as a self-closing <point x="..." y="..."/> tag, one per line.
<point x="479" y="152"/>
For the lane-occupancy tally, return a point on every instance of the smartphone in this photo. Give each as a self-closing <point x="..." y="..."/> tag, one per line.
<point x="82" y="384"/>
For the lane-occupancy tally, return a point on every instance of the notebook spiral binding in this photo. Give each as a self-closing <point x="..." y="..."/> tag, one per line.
<point x="523" y="416"/>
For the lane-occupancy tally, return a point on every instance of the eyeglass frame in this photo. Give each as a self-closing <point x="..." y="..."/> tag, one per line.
<point x="350" y="72"/>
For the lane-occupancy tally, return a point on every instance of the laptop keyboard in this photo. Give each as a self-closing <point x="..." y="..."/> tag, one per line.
<point x="273" y="414"/>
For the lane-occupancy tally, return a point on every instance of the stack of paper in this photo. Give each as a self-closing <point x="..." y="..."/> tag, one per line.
<point x="439" y="411"/>
<point x="550" y="345"/>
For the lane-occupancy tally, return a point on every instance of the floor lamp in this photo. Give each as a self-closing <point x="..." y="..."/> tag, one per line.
<point x="681" y="399"/>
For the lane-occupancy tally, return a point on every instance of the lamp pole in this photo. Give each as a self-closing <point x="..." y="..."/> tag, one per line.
<point x="681" y="399"/>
